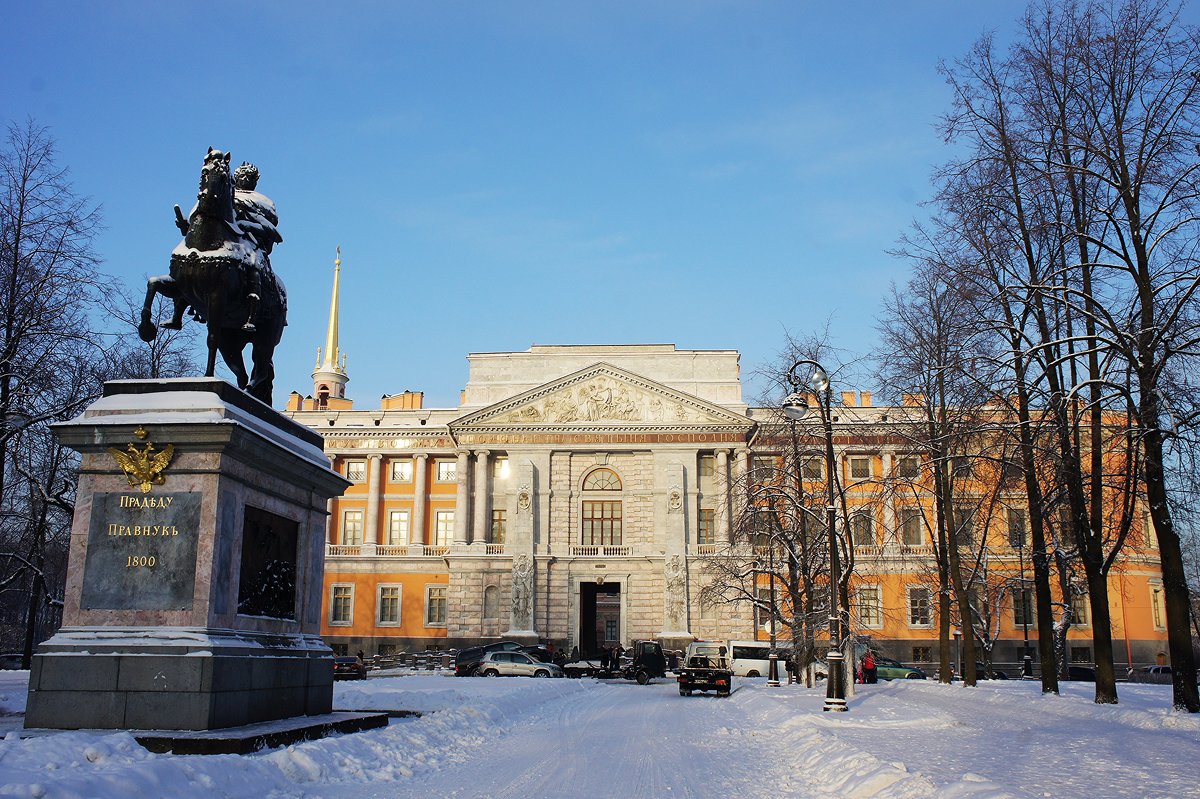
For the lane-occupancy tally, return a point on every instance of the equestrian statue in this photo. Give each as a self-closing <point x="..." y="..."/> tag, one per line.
<point x="221" y="274"/>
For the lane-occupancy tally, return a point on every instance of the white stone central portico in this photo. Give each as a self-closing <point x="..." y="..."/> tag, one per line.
<point x="596" y="464"/>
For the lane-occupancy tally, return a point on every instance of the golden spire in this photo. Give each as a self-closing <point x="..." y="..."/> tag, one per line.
<point x="333" y="356"/>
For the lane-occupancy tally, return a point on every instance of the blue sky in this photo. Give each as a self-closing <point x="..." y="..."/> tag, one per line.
<point x="501" y="174"/>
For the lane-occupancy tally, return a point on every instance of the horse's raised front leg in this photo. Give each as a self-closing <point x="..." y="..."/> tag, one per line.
<point x="164" y="285"/>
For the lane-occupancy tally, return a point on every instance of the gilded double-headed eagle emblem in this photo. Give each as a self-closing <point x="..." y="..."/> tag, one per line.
<point x="143" y="468"/>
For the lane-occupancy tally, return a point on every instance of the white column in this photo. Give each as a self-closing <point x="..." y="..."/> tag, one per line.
<point x="461" y="500"/>
<point x="722" y="485"/>
<point x="420" y="472"/>
<point x="374" y="475"/>
<point x="741" y="472"/>
<point x="482" y="463"/>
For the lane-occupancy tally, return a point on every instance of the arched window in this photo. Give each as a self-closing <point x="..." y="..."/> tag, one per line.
<point x="602" y="480"/>
<point x="602" y="518"/>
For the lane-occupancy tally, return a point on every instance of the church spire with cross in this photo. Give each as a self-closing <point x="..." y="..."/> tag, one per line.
<point x="330" y="377"/>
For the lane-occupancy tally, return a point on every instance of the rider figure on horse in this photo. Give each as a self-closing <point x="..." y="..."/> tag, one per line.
<point x="258" y="221"/>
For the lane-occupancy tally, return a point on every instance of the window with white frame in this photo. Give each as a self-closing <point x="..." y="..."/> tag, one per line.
<point x="443" y="527"/>
<point x="1023" y="609"/>
<point x="402" y="471"/>
<point x="356" y="471"/>
<point x="1016" y="528"/>
<point x="707" y="530"/>
<point x="341" y="605"/>
<point x="870" y="606"/>
<point x="1079" y="609"/>
<point x="920" y="606"/>
<point x="763" y="609"/>
<point x="1157" y="610"/>
<point x="708" y="465"/>
<point x="397" y="527"/>
<point x="389" y="605"/>
<point x="912" y="526"/>
<point x="964" y="525"/>
<point x="435" y="606"/>
<point x="860" y="467"/>
<point x="352" y="527"/>
<point x="908" y="467"/>
<point x="1148" y="532"/>
<point x="447" y="471"/>
<point x="862" y="528"/>
<point x="812" y="467"/>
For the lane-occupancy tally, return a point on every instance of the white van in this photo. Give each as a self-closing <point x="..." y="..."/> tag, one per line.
<point x="752" y="659"/>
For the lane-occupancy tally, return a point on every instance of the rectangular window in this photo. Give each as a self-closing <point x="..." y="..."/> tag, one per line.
<point x="499" y="526"/>
<point x="601" y="523"/>
<point x="1079" y="609"/>
<point x="708" y="465"/>
<point x="860" y="468"/>
<point x="870" y="606"/>
<point x="762" y="609"/>
<point x="961" y="468"/>
<point x="964" y="525"/>
<point x="1016" y="528"/>
<point x="811" y="468"/>
<point x="443" y="528"/>
<point x="763" y="469"/>
<point x="356" y="471"/>
<point x="1157" y="611"/>
<point x="447" y="471"/>
<point x="908" y="467"/>
<point x="435" y="606"/>
<point x="707" y="531"/>
<point x="402" y="472"/>
<point x="389" y="605"/>
<point x="1148" y="531"/>
<point x="1023" y="610"/>
<point x="912" y="526"/>
<point x="341" y="605"/>
<point x="1081" y="654"/>
<point x="862" y="528"/>
<point x="352" y="527"/>
<point x="1010" y="471"/>
<point x="610" y="630"/>
<point x="397" y="527"/>
<point x="920" y="607"/>
<point x="500" y="469"/>
<point x="922" y="654"/>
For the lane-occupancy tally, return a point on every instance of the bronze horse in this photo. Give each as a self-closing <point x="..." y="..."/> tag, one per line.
<point x="213" y="273"/>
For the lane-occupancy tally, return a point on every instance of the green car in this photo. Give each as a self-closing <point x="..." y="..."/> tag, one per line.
<point x="888" y="669"/>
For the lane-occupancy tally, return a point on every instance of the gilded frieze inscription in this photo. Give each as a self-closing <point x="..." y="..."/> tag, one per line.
<point x="141" y="551"/>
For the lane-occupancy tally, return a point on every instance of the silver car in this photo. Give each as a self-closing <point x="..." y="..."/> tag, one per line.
<point x="515" y="664"/>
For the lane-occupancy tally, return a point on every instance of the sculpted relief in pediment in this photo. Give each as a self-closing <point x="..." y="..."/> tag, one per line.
<point x="602" y="399"/>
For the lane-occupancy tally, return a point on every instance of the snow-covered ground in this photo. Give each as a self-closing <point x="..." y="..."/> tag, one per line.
<point x="519" y="737"/>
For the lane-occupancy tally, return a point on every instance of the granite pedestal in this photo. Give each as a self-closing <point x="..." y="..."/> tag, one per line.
<point x="193" y="596"/>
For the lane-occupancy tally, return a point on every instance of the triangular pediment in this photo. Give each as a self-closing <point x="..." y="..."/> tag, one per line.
<point x="602" y="396"/>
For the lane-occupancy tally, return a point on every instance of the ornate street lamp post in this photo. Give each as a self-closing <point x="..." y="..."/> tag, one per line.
<point x="795" y="407"/>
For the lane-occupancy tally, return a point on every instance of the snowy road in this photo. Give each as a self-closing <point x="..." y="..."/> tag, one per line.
<point x="509" y="738"/>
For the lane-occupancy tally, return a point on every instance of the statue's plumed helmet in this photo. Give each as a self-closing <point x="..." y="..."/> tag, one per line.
<point x="246" y="176"/>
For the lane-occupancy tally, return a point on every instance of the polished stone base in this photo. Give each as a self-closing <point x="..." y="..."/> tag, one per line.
<point x="176" y="679"/>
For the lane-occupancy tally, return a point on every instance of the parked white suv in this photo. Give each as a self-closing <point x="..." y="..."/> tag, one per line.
<point x="515" y="664"/>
